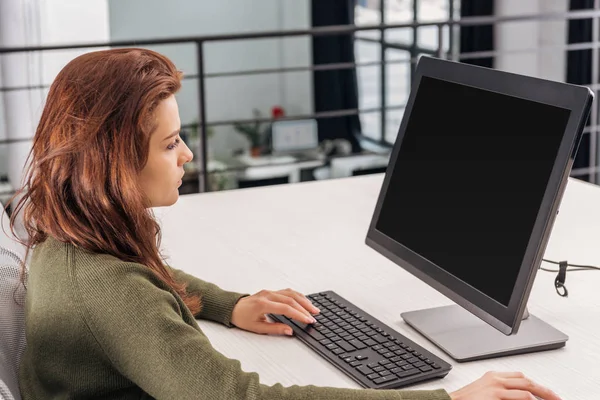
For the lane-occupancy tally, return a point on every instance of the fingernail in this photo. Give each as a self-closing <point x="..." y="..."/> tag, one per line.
<point x="316" y="310"/>
<point x="310" y="320"/>
<point x="289" y="332"/>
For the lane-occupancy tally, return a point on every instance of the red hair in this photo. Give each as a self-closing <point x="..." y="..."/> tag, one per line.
<point x="82" y="183"/>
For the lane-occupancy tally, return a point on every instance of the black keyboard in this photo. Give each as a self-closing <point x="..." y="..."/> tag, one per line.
<point x="371" y="353"/>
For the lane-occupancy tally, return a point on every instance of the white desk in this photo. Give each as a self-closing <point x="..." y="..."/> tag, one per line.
<point x="266" y="167"/>
<point x="310" y="236"/>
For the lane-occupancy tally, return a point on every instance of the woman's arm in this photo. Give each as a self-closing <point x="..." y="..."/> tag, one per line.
<point x="139" y="324"/>
<point x="217" y="304"/>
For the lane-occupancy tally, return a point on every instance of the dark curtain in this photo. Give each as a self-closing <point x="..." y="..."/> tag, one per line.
<point x="336" y="89"/>
<point x="579" y="69"/>
<point x="480" y="37"/>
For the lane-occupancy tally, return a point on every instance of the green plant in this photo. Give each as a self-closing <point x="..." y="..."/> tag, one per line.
<point x="253" y="131"/>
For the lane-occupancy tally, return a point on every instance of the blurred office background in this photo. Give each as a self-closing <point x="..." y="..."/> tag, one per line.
<point x="267" y="97"/>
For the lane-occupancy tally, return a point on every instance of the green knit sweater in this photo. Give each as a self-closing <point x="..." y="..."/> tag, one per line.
<point x="100" y="328"/>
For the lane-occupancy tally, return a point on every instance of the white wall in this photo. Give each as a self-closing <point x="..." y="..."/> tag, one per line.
<point x="549" y="64"/>
<point x="232" y="97"/>
<point x="32" y="23"/>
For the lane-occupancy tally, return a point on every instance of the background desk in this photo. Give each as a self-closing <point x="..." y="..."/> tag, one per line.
<point x="310" y="236"/>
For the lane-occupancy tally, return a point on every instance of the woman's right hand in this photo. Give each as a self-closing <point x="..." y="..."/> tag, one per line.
<point x="504" y="386"/>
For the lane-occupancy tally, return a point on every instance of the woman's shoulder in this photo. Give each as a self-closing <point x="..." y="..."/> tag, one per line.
<point x="80" y="265"/>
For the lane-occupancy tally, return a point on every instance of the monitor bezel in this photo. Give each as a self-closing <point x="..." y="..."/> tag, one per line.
<point x="575" y="98"/>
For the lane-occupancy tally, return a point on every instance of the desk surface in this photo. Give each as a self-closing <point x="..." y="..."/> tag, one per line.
<point x="310" y="236"/>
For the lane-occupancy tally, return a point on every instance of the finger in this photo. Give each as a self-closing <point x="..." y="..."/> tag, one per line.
<point x="292" y="303"/>
<point x="302" y="300"/>
<point x="272" y="307"/>
<point x="532" y="387"/>
<point x="507" y="375"/>
<point x="272" y="328"/>
<point x="517" y="395"/>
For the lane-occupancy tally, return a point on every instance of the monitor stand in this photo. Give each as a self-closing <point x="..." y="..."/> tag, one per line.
<point x="465" y="337"/>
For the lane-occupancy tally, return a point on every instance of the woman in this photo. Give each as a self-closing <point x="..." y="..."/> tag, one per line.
<point x="105" y="317"/>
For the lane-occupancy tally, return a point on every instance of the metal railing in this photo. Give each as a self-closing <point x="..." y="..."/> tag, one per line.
<point x="202" y="75"/>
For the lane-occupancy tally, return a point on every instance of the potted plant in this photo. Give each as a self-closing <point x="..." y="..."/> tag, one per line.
<point x="252" y="132"/>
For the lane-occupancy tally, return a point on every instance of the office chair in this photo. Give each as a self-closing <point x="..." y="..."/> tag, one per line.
<point x="12" y="323"/>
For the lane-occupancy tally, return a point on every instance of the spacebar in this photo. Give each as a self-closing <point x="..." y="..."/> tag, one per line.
<point x="308" y="329"/>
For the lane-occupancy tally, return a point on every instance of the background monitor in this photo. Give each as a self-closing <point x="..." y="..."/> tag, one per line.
<point x="469" y="198"/>
<point x="294" y="135"/>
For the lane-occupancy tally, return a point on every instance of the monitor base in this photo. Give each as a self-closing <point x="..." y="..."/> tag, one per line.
<point x="464" y="337"/>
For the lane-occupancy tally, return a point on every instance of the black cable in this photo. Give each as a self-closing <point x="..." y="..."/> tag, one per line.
<point x="563" y="267"/>
<point x="574" y="267"/>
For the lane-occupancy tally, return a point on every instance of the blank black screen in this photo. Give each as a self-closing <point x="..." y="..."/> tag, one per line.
<point x="469" y="180"/>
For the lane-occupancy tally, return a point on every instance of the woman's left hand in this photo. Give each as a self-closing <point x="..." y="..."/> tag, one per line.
<point x="249" y="312"/>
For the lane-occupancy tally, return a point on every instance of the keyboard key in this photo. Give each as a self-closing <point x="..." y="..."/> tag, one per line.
<point x="390" y="366"/>
<point x="315" y="334"/>
<point x="385" y="379"/>
<point x="356" y="363"/>
<point x="408" y="373"/>
<point x="346" y="346"/>
<point x="358" y="344"/>
<point x="379" y="339"/>
<point x="373" y="376"/>
<point x="364" y="370"/>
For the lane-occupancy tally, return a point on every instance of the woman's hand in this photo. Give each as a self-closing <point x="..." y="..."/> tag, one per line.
<point x="249" y="312"/>
<point x="504" y="386"/>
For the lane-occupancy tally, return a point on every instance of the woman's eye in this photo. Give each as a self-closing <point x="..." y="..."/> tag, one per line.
<point x="174" y="144"/>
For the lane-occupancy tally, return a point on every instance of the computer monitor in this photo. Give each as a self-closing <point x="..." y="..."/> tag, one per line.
<point x="469" y="197"/>
<point x="293" y="136"/>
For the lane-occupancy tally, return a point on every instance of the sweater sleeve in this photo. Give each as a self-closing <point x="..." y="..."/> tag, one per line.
<point x="217" y="304"/>
<point x="138" y="324"/>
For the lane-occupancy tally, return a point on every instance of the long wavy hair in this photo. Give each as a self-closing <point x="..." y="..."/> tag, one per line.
<point x="82" y="181"/>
